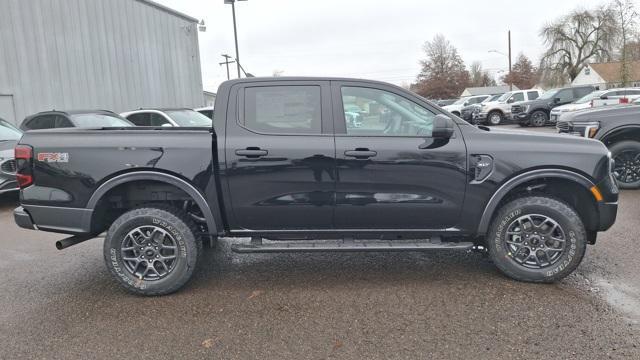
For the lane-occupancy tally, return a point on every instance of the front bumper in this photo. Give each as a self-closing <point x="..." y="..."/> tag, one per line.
<point x="521" y="118"/>
<point x="608" y="213"/>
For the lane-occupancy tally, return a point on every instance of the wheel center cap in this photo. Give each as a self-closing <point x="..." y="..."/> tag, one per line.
<point x="149" y="252"/>
<point x="534" y="240"/>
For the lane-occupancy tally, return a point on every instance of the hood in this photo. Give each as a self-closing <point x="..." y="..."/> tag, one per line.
<point x="572" y="107"/>
<point x="604" y="113"/>
<point x="543" y="102"/>
<point x="6" y="149"/>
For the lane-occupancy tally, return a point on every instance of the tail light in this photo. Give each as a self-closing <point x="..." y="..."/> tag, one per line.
<point x="24" y="165"/>
<point x="624" y="100"/>
<point x="591" y="103"/>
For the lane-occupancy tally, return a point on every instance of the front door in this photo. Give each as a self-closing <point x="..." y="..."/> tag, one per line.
<point x="391" y="173"/>
<point x="280" y="156"/>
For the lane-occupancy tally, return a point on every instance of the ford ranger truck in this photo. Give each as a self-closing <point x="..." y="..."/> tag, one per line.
<point x="282" y="167"/>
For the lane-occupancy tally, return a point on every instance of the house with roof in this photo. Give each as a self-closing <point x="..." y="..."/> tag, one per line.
<point x="607" y="75"/>
<point x="486" y="90"/>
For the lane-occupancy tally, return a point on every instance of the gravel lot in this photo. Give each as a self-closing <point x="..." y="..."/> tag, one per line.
<point x="63" y="304"/>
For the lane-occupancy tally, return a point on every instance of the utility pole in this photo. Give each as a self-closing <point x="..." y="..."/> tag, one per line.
<point x="510" y="81"/>
<point x="227" y="62"/>
<point x="235" y="31"/>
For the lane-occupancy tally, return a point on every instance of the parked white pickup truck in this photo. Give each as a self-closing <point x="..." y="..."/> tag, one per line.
<point x="495" y="112"/>
<point x="456" y="107"/>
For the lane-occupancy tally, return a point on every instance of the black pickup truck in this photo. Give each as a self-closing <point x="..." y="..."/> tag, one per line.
<point x="282" y="166"/>
<point x="537" y="112"/>
<point x="618" y="127"/>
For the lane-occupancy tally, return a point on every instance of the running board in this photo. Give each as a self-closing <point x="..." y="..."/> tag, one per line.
<point x="257" y="246"/>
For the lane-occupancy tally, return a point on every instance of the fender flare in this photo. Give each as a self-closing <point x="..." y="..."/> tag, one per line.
<point x="504" y="189"/>
<point x="160" y="177"/>
<point x="610" y="132"/>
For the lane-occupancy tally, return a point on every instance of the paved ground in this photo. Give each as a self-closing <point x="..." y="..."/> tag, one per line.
<point x="63" y="304"/>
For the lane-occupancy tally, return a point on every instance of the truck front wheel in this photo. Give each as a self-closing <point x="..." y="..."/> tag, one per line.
<point x="495" y="118"/>
<point x="152" y="250"/>
<point x="536" y="239"/>
<point x="627" y="163"/>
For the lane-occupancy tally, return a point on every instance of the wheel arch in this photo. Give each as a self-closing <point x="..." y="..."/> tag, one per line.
<point x="536" y="178"/>
<point x="622" y="133"/>
<point x="155" y="176"/>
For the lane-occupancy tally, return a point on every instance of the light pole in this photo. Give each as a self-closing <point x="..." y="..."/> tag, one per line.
<point x="508" y="56"/>
<point x="235" y="31"/>
<point x="227" y="62"/>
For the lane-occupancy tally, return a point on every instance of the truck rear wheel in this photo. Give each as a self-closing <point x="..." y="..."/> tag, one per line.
<point x="152" y="250"/>
<point x="537" y="239"/>
<point x="627" y="163"/>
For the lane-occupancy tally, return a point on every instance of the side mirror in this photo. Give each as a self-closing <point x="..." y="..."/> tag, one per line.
<point x="604" y="97"/>
<point x="510" y="100"/>
<point x="442" y="127"/>
<point x="556" y="100"/>
<point x="466" y="103"/>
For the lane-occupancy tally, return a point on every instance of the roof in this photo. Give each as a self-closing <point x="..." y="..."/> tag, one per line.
<point x="611" y="72"/>
<point x="169" y="10"/>
<point x="489" y="90"/>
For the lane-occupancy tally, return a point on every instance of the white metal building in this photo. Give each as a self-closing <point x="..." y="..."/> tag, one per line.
<point x="96" y="54"/>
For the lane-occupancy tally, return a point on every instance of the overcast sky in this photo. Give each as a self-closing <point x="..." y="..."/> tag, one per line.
<point x="371" y="39"/>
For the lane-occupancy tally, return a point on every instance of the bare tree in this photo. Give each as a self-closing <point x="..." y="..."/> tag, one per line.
<point x="523" y="74"/>
<point x="443" y="73"/>
<point x="479" y="77"/>
<point x="578" y="37"/>
<point x="627" y="18"/>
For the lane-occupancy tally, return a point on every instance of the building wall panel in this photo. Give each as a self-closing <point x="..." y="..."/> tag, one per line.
<point x="104" y="54"/>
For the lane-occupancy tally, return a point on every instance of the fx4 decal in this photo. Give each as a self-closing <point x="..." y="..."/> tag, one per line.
<point x="53" y="157"/>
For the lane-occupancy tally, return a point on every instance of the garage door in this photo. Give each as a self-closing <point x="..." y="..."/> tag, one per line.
<point x="7" y="111"/>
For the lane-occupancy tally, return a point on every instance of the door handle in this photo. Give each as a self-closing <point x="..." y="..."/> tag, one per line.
<point x="252" y="152"/>
<point x="360" y="153"/>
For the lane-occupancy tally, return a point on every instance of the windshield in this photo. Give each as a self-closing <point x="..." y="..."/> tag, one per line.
<point x="589" y="97"/>
<point x="460" y="101"/>
<point x="8" y="131"/>
<point x="189" y="118"/>
<point x="549" y="94"/>
<point x="99" y="120"/>
<point x="504" y="97"/>
<point x="492" y="98"/>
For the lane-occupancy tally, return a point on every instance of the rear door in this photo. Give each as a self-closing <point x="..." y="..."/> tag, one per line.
<point x="391" y="173"/>
<point x="280" y="156"/>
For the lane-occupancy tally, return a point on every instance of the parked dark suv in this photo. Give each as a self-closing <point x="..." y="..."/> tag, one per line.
<point x="536" y="112"/>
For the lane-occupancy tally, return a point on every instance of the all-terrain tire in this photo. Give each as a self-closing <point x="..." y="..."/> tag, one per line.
<point x="633" y="149"/>
<point x="172" y="221"/>
<point x="545" y="206"/>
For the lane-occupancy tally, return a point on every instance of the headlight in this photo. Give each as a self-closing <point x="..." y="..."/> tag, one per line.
<point x="589" y="128"/>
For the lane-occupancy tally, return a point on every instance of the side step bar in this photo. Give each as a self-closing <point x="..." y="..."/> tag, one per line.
<point x="435" y="243"/>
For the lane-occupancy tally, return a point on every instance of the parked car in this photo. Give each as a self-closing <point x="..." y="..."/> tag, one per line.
<point x="206" y="111"/>
<point x="536" y="112"/>
<point x="618" y="127"/>
<point x="496" y="112"/>
<point x="284" y="166"/>
<point x="9" y="136"/>
<point x="456" y="107"/>
<point x="595" y="99"/>
<point x="180" y="117"/>
<point x="467" y="112"/>
<point x="74" y="118"/>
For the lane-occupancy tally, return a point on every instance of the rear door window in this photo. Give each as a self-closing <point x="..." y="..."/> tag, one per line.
<point x="41" y="122"/>
<point x="532" y="95"/>
<point x="62" y="122"/>
<point x="140" y="119"/>
<point x="292" y="109"/>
